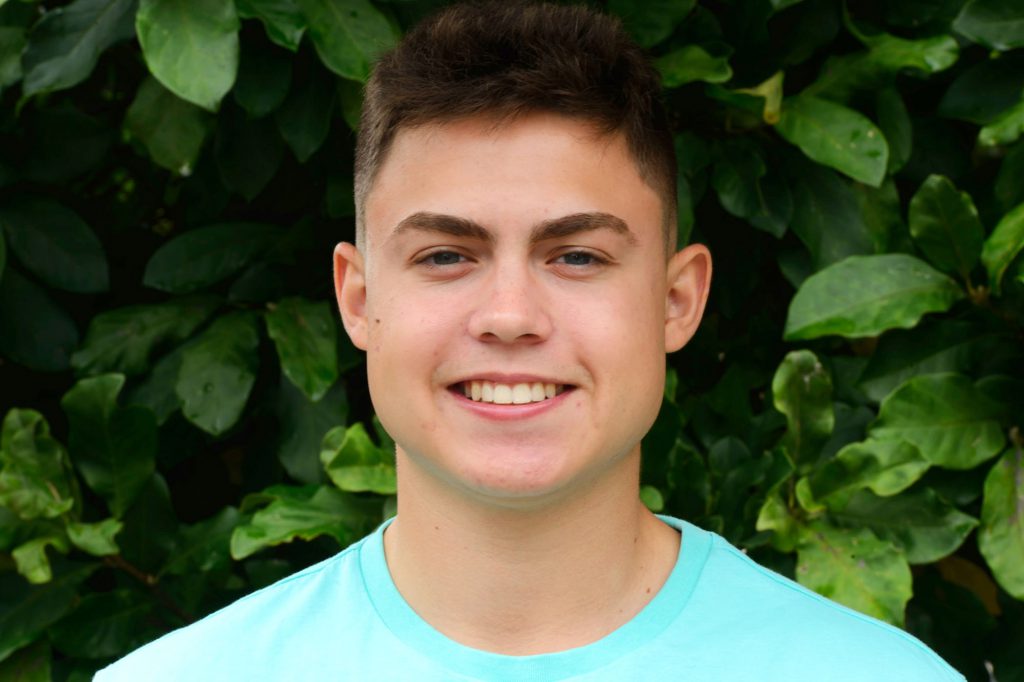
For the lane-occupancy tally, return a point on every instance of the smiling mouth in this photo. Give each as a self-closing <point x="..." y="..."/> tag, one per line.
<point x="509" y="394"/>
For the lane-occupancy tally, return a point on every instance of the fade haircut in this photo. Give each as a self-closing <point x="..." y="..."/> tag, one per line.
<point x="507" y="59"/>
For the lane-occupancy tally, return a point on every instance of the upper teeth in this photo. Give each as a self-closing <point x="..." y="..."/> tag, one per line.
<point x="509" y="394"/>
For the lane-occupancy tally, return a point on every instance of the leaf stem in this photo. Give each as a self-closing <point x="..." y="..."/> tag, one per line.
<point x="152" y="582"/>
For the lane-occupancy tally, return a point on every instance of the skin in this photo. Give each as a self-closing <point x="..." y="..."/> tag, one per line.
<point x="526" y="251"/>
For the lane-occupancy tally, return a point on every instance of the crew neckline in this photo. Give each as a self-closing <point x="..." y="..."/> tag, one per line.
<point x="651" y="621"/>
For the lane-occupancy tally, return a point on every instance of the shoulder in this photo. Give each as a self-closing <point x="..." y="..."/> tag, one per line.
<point x="248" y="634"/>
<point x="792" y="625"/>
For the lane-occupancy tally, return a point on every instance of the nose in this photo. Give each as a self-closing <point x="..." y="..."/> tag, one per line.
<point x="511" y="308"/>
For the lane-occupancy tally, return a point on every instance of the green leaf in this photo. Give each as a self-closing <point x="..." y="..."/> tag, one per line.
<point x="31" y="664"/>
<point x="943" y="346"/>
<point x="31" y="560"/>
<point x="191" y="46"/>
<point x="743" y="190"/>
<point x="300" y="513"/>
<point x="124" y="339"/>
<point x="305" y="118"/>
<point x="865" y="295"/>
<point x="264" y="77"/>
<point x="802" y="390"/>
<point x="692" y="63"/>
<point x="204" y="547"/>
<point x="998" y="24"/>
<point x="202" y="257"/>
<point x="307" y="343"/>
<point x="113" y="447"/>
<point x="36" y="479"/>
<point x="12" y="43"/>
<point x="894" y="122"/>
<point x="1001" y="538"/>
<point x="652" y="498"/>
<point x="26" y="613"/>
<point x="56" y="245"/>
<point x="348" y="34"/>
<point x="66" y="42"/>
<point x="34" y="331"/>
<point x="887" y="56"/>
<point x="303" y="425"/>
<point x="95" y="538"/>
<point x="1009" y="191"/>
<point x="172" y="130"/>
<point x="1003" y="245"/>
<point x="281" y="19"/>
<point x="775" y="516"/>
<point x="985" y="90"/>
<point x="923" y="525"/>
<point x="156" y="391"/>
<point x="350" y="101"/>
<point x="951" y="422"/>
<point x="1005" y="129"/>
<point x="835" y="136"/>
<point x="651" y="21"/>
<point x="945" y="226"/>
<point x="355" y="464"/>
<point x="828" y="216"/>
<point x="886" y="467"/>
<point x="150" y="528"/>
<point x="855" y="568"/>
<point x="106" y="625"/>
<point x="218" y="371"/>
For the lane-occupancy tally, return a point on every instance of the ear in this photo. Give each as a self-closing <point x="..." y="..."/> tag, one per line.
<point x="350" y="288"/>
<point x="689" y="280"/>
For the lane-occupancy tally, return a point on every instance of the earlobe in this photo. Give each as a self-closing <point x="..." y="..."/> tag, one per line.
<point x="689" y="281"/>
<point x="350" y="289"/>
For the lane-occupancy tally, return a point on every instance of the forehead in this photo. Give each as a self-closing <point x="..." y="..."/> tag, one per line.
<point x="505" y="174"/>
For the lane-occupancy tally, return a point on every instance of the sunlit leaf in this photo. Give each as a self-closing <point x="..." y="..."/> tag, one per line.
<point x="836" y="136"/>
<point x="1003" y="245"/>
<point x="802" y="390"/>
<point x="949" y="420"/>
<point x="692" y="63"/>
<point x="348" y="34"/>
<point x="1001" y="538"/>
<point x="191" y="47"/>
<point x="35" y="478"/>
<point x="855" y="568"/>
<point x="355" y="464"/>
<point x="300" y="514"/>
<point x="31" y="560"/>
<point x="866" y="295"/>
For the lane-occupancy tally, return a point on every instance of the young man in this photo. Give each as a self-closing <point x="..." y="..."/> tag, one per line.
<point x="516" y="287"/>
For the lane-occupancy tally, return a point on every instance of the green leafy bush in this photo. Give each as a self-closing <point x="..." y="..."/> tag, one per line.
<point x="187" y="422"/>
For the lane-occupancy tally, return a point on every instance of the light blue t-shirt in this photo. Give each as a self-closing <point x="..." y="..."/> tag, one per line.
<point x="718" y="617"/>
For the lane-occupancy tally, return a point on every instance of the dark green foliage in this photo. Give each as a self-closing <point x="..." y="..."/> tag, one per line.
<point x="185" y="421"/>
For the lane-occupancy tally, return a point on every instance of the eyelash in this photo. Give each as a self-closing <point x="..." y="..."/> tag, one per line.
<point x="594" y="259"/>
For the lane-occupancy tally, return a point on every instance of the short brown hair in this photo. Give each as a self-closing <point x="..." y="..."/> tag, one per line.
<point x="505" y="59"/>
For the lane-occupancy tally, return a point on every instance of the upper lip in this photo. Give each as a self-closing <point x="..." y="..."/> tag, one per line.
<point x="510" y="379"/>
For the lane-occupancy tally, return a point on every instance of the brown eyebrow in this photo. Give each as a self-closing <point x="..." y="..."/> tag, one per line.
<point x="555" y="228"/>
<point x="581" y="222"/>
<point x="446" y="224"/>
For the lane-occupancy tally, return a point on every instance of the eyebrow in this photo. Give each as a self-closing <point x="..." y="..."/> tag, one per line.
<point x="554" y="228"/>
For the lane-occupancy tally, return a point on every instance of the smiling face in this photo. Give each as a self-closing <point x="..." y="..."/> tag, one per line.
<point x="515" y="305"/>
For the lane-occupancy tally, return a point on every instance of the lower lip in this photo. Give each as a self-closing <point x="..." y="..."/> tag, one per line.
<point x="511" y="412"/>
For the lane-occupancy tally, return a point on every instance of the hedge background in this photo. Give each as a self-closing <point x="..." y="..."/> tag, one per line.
<point x="186" y="422"/>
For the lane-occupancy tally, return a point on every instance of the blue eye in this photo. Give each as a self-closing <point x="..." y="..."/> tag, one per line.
<point x="443" y="258"/>
<point x="580" y="258"/>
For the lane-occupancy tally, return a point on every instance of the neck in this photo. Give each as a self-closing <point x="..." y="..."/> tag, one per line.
<point x="523" y="581"/>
